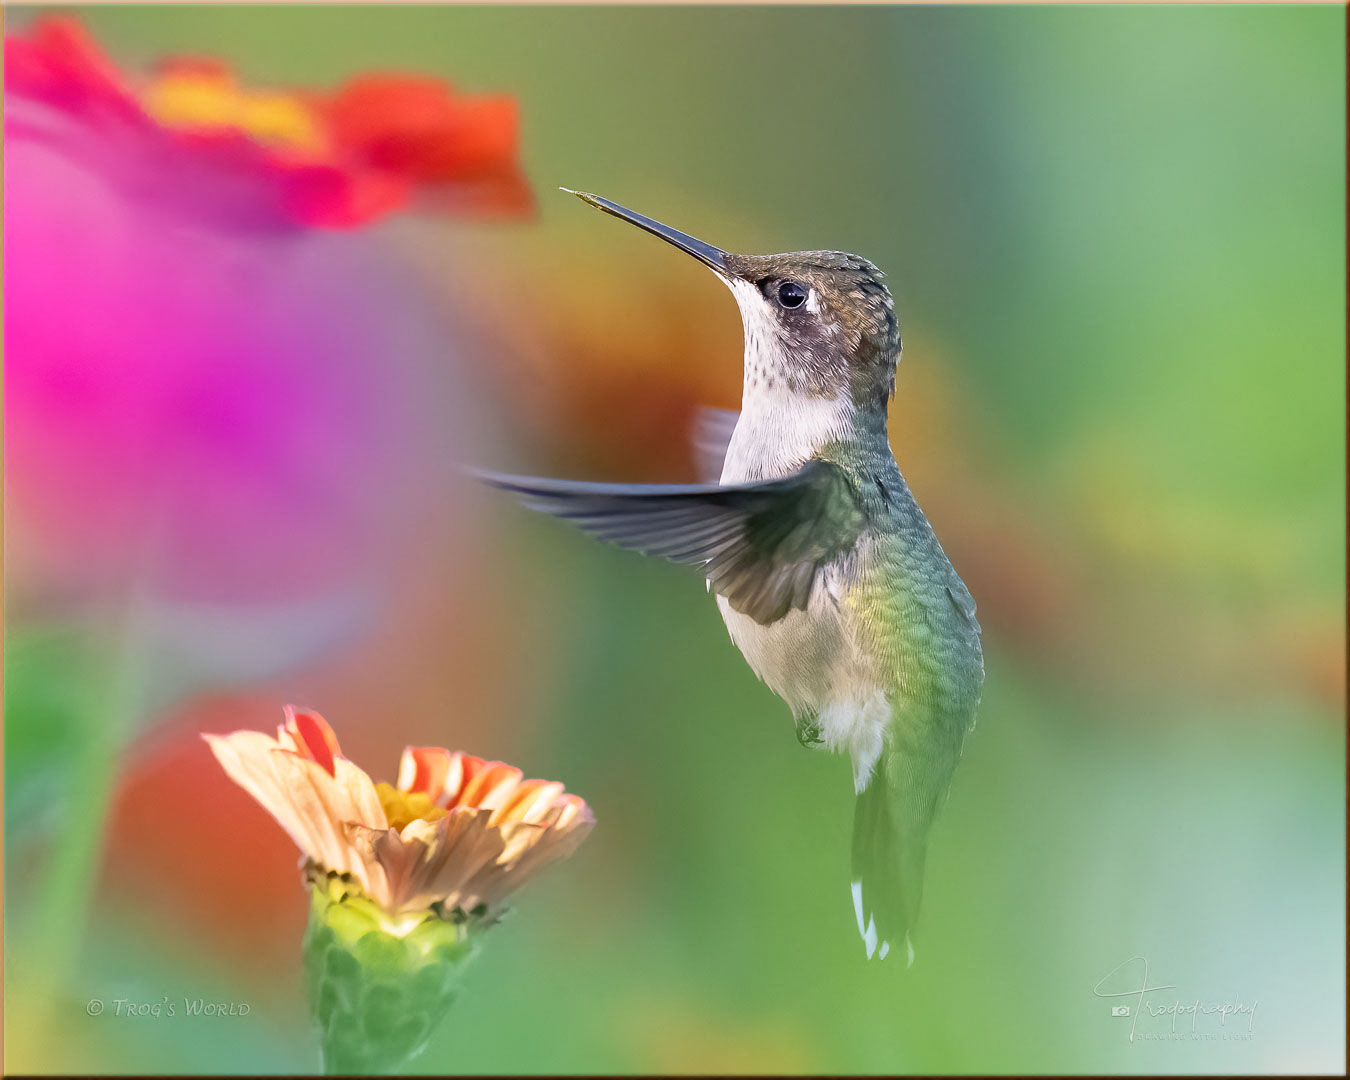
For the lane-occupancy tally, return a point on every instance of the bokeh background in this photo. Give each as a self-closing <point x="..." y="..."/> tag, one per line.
<point x="1116" y="239"/>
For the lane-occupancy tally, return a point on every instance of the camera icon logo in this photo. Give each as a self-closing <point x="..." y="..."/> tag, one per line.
<point x="1120" y="1010"/>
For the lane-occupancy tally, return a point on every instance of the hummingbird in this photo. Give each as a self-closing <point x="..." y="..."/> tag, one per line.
<point x="828" y="576"/>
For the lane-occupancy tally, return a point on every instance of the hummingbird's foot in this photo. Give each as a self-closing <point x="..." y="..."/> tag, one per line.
<point x="808" y="731"/>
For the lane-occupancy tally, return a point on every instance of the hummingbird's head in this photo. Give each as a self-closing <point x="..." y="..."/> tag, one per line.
<point x="820" y="323"/>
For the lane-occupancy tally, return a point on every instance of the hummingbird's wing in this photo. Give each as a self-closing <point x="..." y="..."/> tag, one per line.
<point x="760" y="545"/>
<point x="711" y="437"/>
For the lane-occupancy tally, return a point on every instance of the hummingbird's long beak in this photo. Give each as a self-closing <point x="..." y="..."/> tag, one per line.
<point x="705" y="253"/>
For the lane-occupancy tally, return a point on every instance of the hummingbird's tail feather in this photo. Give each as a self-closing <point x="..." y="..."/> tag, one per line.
<point x="891" y="820"/>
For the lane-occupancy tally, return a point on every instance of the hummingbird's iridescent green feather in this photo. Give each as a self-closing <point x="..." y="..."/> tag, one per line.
<point x="913" y="610"/>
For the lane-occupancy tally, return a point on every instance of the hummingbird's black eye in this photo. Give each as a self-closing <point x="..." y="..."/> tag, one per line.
<point x="791" y="294"/>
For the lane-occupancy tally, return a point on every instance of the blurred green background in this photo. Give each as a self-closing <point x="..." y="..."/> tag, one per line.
<point x="1116" y="240"/>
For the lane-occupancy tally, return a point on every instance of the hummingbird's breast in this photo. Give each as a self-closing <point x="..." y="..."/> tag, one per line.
<point x="818" y="661"/>
<point x="802" y="656"/>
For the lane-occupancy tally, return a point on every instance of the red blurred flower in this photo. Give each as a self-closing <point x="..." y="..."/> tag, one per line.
<point x="379" y="144"/>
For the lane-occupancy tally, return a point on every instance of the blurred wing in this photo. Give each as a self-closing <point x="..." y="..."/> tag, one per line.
<point x="759" y="545"/>
<point x="711" y="437"/>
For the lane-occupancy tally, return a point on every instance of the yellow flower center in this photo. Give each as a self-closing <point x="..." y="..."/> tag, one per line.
<point x="208" y="101"/>
<point x="404" y="807"/>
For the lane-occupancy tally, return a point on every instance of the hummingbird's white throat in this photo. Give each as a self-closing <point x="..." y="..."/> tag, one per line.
<point x="779" y="428"/>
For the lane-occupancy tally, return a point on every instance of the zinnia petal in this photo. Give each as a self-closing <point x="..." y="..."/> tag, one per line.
<point x="426" y="769"/>
<point x="302" y="780"/>
<point x="310" y="736"/>
<point x="487" y="783"/>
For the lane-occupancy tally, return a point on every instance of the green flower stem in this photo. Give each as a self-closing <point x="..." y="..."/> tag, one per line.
<point x="110" y="708"/>
<point x="62" y="912"/>
<point x="378" y="986"/>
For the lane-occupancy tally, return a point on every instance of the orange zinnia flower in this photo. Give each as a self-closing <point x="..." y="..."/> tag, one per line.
<point x="456" y="834"/>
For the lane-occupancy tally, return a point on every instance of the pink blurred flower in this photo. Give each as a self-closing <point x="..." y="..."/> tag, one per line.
<point x="205" y="381"/>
